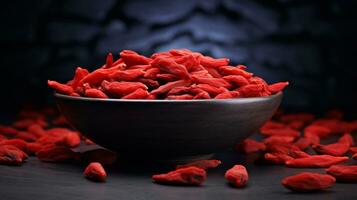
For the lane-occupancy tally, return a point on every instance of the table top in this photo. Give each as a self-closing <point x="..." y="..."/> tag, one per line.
<point x="39" y="180"/>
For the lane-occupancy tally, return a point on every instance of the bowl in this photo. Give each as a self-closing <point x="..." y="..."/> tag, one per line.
<point x="167" y="129"/>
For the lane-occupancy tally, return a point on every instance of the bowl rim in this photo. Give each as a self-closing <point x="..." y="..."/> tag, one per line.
<point x="248" y="99"/>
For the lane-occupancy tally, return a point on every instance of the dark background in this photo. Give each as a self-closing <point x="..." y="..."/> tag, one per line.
<point x="311" y="43"/>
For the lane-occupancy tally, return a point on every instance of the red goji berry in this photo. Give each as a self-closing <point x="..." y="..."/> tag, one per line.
<point x="203" y="164"/>
<point x="131" y="58"/>
<point x="237" y="176"/>
<point x="272" y="125"/>
<point x="250" y="146"/>
<point x="119" y="89"/>
<point x="11" y="155"/>
<point x="336" y="149"/>
<point x="54" y="153"/>
<point x="215" y="82"/>
<point x="78" y="76"/>
<point x="8" y="130"/>
<point x="236" y="79"/>
<point x="170" y="66"/>
<point x="308" y="181"/>
<point x="180" y="97"/>
<point x="168" y="86"/>
<point x="36" y="130"/>
<point x="95" y="172"/>
<point x="183" y="176"/>
<point x="95" y="93"/>
<point x="127" y="75"/>
<point x="109" y="61"/>
<point x="251" y="90"/>
<point x="277" y="158"/>
<point x="60" y="121"/>
<point x="137" y="94"/>
<point x="316" y="161"/>
<point x="28" y="137"/>
<point x="151" y="73"/>
<point x="320" y="131"/>
<point x="166" y="77"/>
<point x="214" y="72"/>
<point x="18" y="143"/>
<point x="209" y="62"/>
<point x="227" y="95"/>
<point x="277" y="87"/>
<point x="296" y="124"/>
<point x="60" y="88"/>
<point x="149" y="82"/>
<point x="279" y="139"/>
<point x="343" y="173"/>
<point x="230" y="70"/>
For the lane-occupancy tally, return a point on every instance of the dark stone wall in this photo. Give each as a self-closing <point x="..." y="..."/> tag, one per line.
<point x="311" y="43"/>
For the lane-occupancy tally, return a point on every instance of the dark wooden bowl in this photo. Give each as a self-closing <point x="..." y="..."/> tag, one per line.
<point x="167" y="129"/>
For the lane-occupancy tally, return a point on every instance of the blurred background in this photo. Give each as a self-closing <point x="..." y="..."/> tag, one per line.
<point x="311" y="43"/>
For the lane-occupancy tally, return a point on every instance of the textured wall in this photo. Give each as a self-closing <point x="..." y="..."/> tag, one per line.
<point x="309" y="42"/>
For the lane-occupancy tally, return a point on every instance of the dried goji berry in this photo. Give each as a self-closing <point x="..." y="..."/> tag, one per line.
<point x="251" y="90"/>
<point x="320" y="131"/>
<point x="277" y="87"/>
<point x="209" y="62"/>
<point x="119" y="89"/>
<point x="131" y="58"/>
<point x="60" y="88"/>
<point x="28" y="137"/>
<point x="78" y="76"/>
<point x="180" y="97"/>
<point x="8" y="130"/>
<point x="237" y="176"/>
<point x="250" y="146"/>
<point x="215" y="82"/>
<point x="109" y="61"/>
<point x="230" y="70"/>
<point x="168" y="86"/>
<point x="170" y="66"/>
<point x="343" y="173"/>
<point x="95" y="93"/>
<point x="95" y="172"/>
<point x="127" y="75"/>
<point x="19" y="143"/>
<point x="336" y="149"/>
<point x="137" y="94"/>
<point x="183" y="176"/>
<point x="54" y="153"/>
<point x="151" y="73"/>
<point x="308" y="181"/>
<point x="316" y="161"/>
<point x="279" y="139"/>
<point x="11" y="155"/>
<point x="272" y="125"/>
<point x="203" y="164"/>
<point x="277" y="158"/>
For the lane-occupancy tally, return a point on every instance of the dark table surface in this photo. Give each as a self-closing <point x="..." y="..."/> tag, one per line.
<point x="38" y="180"/>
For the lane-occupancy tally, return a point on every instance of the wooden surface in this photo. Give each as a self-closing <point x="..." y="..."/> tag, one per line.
<point x="38" y="180"/>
